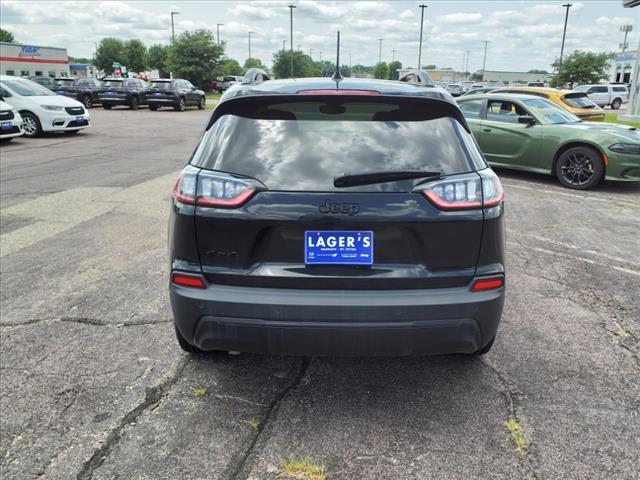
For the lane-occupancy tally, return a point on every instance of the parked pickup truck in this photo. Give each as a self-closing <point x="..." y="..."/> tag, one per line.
<point x="223" y="83"/>
<point x="606" y="95"/>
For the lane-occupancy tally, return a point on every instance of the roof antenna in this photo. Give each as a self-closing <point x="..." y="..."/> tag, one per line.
<point x="336" y="74"/>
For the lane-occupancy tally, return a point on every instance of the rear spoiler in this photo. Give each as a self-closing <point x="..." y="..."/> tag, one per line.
<point x="410" y="108"/>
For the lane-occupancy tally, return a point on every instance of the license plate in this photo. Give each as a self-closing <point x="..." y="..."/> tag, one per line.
<point x="80" y="119"/>
<point x="110" y="93"/>
<point x="5" y="125"/>
<point x="157" y="94"/>
<point x="331" y="247"/>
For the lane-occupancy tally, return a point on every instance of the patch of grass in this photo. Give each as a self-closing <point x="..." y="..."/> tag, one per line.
<point x="200" y="392"/>
<point x="517" y="436"/>
<point x="302" y="468"/>
<point x="613" y="118"/>
<point x="213" y="95"/>
<point x="254" y="423"/>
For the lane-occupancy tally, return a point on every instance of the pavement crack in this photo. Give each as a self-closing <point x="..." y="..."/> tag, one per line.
<point x="152" y="397"/>
<point x="512" y="396"/>
<point x="237" y="468"/>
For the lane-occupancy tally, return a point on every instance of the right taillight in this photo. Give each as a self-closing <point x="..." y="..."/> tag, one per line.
<point x="466" y="191"/>
<point x="211" y="189"/>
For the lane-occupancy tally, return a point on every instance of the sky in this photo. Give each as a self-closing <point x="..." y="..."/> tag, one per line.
<point x="523" y="35"/>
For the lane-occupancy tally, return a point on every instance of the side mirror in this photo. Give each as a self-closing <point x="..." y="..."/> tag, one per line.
<point x="527" y="119"/>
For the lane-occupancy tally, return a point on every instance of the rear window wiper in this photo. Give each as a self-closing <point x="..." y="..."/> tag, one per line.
<point x="370" y="178"/>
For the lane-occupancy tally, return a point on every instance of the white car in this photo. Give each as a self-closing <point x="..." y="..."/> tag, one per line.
<point x="10" y="122"/>
<point x="41" y="109"/>
<point x="606" y="95"/>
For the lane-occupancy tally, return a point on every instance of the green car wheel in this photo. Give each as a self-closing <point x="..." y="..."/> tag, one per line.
<point x="580" y="168"/>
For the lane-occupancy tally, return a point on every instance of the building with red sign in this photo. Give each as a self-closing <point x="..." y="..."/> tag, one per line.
<point x="27" y="60"/>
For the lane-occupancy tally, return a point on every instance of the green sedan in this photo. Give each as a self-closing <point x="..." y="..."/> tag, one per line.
<point x="524" y="132"/>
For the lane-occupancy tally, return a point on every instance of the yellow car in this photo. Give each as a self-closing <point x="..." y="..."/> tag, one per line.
<point x="575" y="102"/>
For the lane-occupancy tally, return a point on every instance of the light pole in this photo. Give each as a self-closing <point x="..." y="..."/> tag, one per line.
<point x="626" y="29"/>
<point x="218" y="25"/>
<point x="320" y="56"/>
<point x="380" y="50"/>
<point x="466" y="68"/>
<point x="291" y="7"/>
<point x="173" y="31"/>
<point x="422" y="7"/>
<point x="284" y="45"/>
<point x="250" y="45"/>
<point x="564" y="34"/>
<point x="484" y="60"/>
<point x="393" y="55"/>
<point x="310" y="51"/>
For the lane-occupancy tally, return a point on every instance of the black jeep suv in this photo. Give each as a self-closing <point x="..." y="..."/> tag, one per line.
<point x="84" y="90"/>
<point x="176" y="93"/>
<point x="122" y="91"/>
<point x="337" y="217"/>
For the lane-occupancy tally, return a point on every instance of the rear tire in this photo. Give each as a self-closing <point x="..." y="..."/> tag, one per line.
<point x="31" y="125"/>
<point x="135" y="103"/>
<point x="484" y="350"/>
<point x="87" y="101"/>
<point x="106" y="106"/>
<point x="186" y="346"/>
<point x="202" y="103"/>
<point x="580" y="168"/>
<point x="153" y="107"/>
<point x="615" y="105"/>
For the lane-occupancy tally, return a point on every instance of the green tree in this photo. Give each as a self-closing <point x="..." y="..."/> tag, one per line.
<point x="109" y="50"/>
<point x="324" y="68"/>
<point x="6" y="36"/>
<point x="381" y="70"/>
<point x="79" y="60"/>
<point x="231" y="67"/>
<point x="429" y="67"/>
<point x="195" y="56"/>
<point x="157" y="58"/>
<point x="253" y="63"/>
<point x="538" y="71"/>
<point x="362" y="71"/>
<point x="303" y="66"/>
<point x="393" y="70"/>
<point x="135" y="54"/>
<point x="582" y="67"/>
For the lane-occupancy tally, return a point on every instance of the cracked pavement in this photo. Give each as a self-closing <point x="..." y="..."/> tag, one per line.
<point x="94" y="386"/>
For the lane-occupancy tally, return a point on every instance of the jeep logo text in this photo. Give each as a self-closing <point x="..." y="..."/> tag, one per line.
<point x="344" y="208"/>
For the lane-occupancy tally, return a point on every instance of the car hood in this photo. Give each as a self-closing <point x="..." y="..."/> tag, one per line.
<point x="57" y="100"/>
<point x="625" y="132"/>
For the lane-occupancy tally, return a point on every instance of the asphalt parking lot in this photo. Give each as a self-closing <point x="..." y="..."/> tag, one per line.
<point x="93" y="384"/>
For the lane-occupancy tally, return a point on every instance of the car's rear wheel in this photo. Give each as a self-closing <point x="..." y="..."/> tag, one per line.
<point x="616" y="104"/>
<point x="187" y="347"/>
<point x="486" y="348"/>
<point x="31" y="125"/>
<point x="202" y="103"/>
<point x="181" y="106"/>
<point x="580" y="168"/>
<point x="106" y="106"/>
<point x="153" y="107"/>
<point x="86" y="101"/>
<point x="135" y="103"/>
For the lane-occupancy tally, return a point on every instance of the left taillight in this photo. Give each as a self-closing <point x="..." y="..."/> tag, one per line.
<point x="211" y="189"/>
<point x="465" y="192"/>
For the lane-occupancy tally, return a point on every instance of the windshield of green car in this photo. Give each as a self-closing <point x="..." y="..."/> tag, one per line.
<point x="550" y="112"/>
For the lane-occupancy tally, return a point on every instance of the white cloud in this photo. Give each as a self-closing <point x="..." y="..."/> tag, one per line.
<point x="406" y="14"/>
<point x="461" y="18"/>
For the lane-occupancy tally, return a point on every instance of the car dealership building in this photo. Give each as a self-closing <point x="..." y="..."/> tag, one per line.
<point x="27" y="60"/>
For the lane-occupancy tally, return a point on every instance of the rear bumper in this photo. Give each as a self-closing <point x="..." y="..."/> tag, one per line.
<point x="327" y="322"/>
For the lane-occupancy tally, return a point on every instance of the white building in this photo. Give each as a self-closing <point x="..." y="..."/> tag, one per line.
<point x="622" y="67"/>
<point x="27" y="60"/>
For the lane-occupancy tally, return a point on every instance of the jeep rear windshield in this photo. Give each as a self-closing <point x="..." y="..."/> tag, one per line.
<point x="161" y="85"/>
<point x="112" y="83"/>
<point x="303" y="146"/>
<point x="63" y="82"/>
